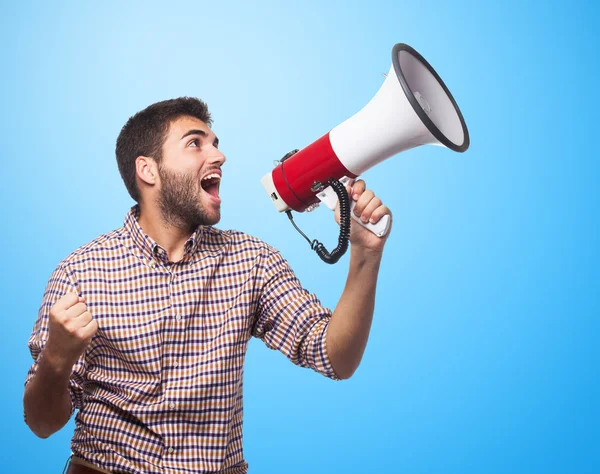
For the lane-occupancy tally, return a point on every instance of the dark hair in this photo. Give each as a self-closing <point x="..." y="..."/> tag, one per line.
<point x="145" y="133"/>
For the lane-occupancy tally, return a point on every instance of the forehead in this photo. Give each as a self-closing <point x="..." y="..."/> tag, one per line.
<point x="182" y="125"/>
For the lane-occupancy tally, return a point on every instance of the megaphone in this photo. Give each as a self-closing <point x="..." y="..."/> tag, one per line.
<point x="413" y="107"/>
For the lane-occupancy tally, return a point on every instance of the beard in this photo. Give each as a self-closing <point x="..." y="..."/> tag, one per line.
<point x="179" y="202"/>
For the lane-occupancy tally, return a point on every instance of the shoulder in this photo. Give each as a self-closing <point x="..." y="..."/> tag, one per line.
<point x="104" y="246"/>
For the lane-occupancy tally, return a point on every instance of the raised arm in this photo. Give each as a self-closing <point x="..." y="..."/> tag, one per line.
<point x="351" y="320"/>
<point x="49" y="398"/>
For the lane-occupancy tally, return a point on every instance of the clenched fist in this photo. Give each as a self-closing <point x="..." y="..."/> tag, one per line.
<point x="70" y="328"/>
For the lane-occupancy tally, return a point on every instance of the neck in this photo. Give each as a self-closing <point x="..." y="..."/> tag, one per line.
<point x="168" y="235"/>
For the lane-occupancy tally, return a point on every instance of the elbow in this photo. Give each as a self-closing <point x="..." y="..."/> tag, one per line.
<point x="40" y="431"/>
<point x="41" y="428"/>
<point x="345" y="375"/>
<point x="42" y="435"/>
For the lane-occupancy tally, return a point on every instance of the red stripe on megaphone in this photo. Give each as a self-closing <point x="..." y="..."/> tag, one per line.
<point x="294" y="177"/>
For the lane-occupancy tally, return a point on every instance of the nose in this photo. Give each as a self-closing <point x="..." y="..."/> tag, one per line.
<point x="217" y="157"/>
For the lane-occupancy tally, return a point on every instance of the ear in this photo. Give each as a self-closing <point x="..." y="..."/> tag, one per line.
<point x="146" y="169"/>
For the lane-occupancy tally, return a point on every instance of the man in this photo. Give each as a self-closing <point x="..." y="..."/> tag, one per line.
<point x="145" y="329"/>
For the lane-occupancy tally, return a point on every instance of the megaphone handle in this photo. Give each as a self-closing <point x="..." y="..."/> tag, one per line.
<point x="379" y="228"/>
<point x="330" y="199"/>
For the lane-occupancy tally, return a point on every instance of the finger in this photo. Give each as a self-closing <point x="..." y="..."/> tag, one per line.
<point x="84" y="318"/>
<point x="362" y="202"/>
<point x="358" y="188"/>
<point x="89" y="329"/>
<point x="76" y="310"/>
<point x="66" y="301"/>
<point x="92" y="325"/>
<point x="366" y="213"/>
<point x="379" y="213"/>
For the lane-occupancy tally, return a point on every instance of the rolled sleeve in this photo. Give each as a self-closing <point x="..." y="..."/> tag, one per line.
<point x="58" y="285"/>
<point x="292" y="320"/>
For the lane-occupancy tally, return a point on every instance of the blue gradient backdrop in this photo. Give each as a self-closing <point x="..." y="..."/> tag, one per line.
<point x="483" y="356"/>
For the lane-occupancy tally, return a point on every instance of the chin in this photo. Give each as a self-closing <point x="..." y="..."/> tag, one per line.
<point x="212" y="218"/>
<point x="213" y="221"/>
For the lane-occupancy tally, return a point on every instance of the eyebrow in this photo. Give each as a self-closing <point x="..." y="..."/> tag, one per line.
<point x="201" y="133"/>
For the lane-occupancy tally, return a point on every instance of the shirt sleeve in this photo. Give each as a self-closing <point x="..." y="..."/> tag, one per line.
<point x="58" y="285"/>
<point x="292" y="320"/>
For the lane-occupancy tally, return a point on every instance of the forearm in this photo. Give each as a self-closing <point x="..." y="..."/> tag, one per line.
<point x="351" y="320"/>
<point x="46" y="401"/>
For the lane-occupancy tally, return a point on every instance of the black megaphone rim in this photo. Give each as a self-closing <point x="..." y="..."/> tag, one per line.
<point x="435" y="131"/>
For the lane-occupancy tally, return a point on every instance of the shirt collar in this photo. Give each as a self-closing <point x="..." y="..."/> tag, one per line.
<point x="148" y="246"/>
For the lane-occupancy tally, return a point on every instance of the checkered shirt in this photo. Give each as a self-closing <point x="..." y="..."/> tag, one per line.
<point x="159" y="388"/>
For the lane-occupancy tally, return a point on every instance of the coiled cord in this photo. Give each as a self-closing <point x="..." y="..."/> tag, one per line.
<point x="344" y="237"/>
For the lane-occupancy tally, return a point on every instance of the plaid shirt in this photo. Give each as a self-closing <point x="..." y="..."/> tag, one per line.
<point x="159" y="388"/>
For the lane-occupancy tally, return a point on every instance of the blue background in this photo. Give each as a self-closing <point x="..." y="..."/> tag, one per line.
<point x="483" y="357"/>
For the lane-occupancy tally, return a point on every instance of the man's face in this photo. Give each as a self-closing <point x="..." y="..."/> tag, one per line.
<point x="190" y="174"/>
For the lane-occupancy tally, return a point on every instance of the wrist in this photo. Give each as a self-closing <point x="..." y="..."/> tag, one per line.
<point x="56" y="361"/>
<point x="358" y="252"/>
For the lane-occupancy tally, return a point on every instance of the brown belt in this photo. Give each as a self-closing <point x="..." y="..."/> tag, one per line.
<point x="79" y="466"/>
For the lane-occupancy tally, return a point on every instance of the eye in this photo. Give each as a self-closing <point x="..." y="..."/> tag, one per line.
<point x="195" y="142"/>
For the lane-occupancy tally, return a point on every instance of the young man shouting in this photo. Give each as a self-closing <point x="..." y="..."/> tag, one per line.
<point x="144" y="330"/>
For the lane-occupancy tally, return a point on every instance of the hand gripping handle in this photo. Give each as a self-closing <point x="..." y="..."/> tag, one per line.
<point x="328" y="197"/>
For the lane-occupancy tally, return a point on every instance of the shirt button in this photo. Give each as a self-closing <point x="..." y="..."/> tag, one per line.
<point x="152" y="264"/>
<point x="171" y="405"/>
<point x="176" y="364"/>
<point x="170" y="450"/>
<point x="178" y="317"/>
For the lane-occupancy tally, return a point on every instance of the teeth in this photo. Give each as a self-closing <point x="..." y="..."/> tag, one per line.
<point x="211" y="176"/>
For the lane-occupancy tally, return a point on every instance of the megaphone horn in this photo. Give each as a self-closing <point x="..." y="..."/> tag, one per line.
<point x="413" y="107"/>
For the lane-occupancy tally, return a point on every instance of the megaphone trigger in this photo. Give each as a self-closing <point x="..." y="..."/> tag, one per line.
<point x="328" y="196"/>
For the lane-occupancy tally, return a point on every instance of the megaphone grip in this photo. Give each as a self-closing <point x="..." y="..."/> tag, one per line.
<point x="329" y="197"/>
<point x="380" y="228"/>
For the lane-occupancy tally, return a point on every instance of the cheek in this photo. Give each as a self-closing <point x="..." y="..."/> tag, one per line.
<point x="185" y="162"/>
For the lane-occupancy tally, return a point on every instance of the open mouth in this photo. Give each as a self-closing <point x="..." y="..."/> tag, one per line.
<point x="210" y="184"/>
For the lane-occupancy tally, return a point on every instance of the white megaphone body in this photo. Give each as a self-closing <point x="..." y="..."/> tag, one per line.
<point x="413" y="107"/>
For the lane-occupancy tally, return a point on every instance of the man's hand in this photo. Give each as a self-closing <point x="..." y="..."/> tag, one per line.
<point x="370" y="209"/>
<point x="70" y="328"/>
<point x="46" y="401"/>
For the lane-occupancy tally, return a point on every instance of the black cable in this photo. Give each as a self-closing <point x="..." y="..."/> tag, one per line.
<point x="289" y="214"/>
<point x="67" y="464"/>
<point x="344" y="237"/>
<point x="282" y="161"/>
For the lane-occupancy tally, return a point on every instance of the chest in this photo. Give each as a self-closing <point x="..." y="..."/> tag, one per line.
<point x="150" y="318"/>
